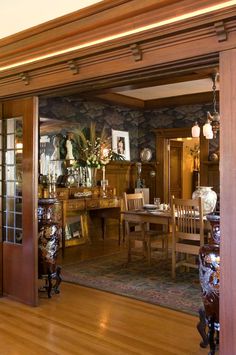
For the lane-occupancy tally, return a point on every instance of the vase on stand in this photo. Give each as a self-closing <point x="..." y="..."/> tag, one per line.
<point x="91" y="176"/>
<point x="209" y="198"/>
<point x="209" y="274"/>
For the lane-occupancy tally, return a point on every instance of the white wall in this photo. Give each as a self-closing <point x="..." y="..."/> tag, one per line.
<point x="18" y="15"/>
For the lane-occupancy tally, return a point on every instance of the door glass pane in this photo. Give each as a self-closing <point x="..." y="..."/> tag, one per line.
<point x="18" y="220"/>
<point x="12" y="179"/>
<point x="10" y="157"/>
<point x="10" y="173"/>
<point x="10" y="141"/>
<point x="10" y="125"/>
<point x="10" y="189"/>
<point x="10" y="203"/>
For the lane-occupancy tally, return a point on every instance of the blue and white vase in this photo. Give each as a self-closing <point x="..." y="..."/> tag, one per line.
<point x="209" y="198"/>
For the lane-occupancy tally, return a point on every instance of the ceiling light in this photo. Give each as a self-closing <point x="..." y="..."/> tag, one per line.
<point x="212" y="124"/>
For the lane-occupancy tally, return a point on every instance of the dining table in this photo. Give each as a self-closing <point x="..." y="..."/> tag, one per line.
<point x="160" y="217"/>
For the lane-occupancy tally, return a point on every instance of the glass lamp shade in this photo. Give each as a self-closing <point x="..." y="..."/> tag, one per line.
<point x="210" y="135"/>
<point x="196" y="131"/>
<point x="207" y="129"/>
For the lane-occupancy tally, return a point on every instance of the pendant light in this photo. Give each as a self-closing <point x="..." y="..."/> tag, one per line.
<point x="212" y="124"/>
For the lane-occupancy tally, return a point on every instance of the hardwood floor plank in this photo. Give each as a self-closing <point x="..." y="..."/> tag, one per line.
<point x="85" y="321"/>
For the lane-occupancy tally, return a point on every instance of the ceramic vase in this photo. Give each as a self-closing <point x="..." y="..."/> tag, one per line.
<point x="209" y="198"/>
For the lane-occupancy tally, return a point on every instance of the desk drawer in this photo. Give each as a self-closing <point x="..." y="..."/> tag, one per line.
<point x="93" y="203"/>
<point x="109" y="202"/>
<point x="75" y="205"/>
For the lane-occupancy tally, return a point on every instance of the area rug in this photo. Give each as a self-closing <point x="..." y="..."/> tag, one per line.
<point x="138" y="280"/>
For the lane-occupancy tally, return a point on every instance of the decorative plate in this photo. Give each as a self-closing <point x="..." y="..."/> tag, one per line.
<point x="149" y="207"/>
<point x="146" y="154"/>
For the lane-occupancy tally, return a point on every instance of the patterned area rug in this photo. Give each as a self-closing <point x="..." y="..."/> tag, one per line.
<point x="151" y="284"/>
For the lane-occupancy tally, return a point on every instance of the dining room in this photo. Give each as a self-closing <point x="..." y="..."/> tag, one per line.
<point x="153" y="175"/>
<point x="99" y="259"/>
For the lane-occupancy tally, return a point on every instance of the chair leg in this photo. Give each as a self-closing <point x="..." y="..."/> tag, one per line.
<point x="166" y="246"/>
<point x="149" y="251"/>
<point x="129" y="250"/>
<point x="173" y="264"/>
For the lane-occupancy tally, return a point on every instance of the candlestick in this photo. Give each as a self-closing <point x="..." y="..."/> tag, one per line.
<point x="103" y="172"/>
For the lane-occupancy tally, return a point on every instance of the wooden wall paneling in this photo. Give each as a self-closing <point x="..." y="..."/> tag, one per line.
<point x="1" y="256"/>
<point x="119" y="176"/>
<point x="213" y="175"/>
<point x="149" y="174"/>
<point x="160" y="177"/>
<point x="227" y="202"/>
<point x="204" y="152"/>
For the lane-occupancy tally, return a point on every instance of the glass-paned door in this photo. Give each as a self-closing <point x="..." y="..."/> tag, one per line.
<point x="12" y="153"/>
<point x="18" y="199"/>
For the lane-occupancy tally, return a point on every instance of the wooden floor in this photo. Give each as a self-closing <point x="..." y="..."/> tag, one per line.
<point x="85" y="321"/>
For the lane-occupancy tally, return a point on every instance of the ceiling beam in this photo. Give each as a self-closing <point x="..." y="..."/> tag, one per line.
<point x="122" y="100"/>
<point x="191" y="99"/>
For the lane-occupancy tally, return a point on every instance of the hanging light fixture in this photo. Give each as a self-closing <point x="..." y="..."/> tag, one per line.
<point x="212" y="125"/>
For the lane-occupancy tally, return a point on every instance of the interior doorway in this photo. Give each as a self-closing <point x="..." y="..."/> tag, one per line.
<point x="184" y="166"/>
<point x="178" y="171"/>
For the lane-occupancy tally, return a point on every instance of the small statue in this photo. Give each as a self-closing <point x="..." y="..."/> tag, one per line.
<point x="69" y="147"/>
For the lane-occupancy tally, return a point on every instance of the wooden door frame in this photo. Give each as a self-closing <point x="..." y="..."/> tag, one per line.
<point x="177" y="144"/>
<point x="163" y="135"/>
<point x="20" y="261"/>
<point x="1" y="246"/>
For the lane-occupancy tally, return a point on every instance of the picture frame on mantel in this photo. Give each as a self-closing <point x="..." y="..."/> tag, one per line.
<point x="120" y="143"/>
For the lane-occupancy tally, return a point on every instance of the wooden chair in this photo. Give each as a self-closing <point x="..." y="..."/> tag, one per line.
<point x="187" y="232"/>
<point x="141" y="232"/>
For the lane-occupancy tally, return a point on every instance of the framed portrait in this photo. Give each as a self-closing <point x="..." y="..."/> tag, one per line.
<point x="120" y="143"/>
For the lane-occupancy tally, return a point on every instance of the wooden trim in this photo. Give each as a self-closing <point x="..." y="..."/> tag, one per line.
<point x="227" y="202"/>
<point x="107" y="62"/>
<point x="1" y="246"/>
<point x="192" y="99"/>
<point x="20" y="277"/>
<point x="98" y="21"/>
<point x="122" y="100"/>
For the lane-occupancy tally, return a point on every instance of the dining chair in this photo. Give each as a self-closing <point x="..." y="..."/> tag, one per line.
<point x="140" y="231"/>
<point x="187" y="232"/>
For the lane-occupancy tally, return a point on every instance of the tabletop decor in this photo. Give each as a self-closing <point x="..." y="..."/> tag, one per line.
<point x="94" y="151"/>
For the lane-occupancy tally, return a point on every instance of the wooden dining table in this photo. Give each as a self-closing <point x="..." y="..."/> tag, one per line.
<point x="148" y="216"/>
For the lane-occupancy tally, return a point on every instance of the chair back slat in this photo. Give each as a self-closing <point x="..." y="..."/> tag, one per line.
<point x="133" y="201"/>
<point x="187" y="231"/>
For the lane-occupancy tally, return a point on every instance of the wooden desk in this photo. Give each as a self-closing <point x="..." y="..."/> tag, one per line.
<point x="77" y="211"/>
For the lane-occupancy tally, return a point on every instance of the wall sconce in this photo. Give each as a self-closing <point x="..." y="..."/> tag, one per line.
<point x="212" y="125"/>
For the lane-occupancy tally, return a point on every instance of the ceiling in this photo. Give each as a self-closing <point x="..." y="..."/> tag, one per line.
<point x="18" y="15"/>
<point x="170" y="90"/>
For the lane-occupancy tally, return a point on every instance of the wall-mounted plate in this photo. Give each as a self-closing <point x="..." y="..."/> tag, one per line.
<point x="146" y="154"/>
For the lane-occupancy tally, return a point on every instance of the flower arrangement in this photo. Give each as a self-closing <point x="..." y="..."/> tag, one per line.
<point x="93" y="151"/>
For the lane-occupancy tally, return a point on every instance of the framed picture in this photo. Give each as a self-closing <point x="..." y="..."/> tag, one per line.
<point x="120" y="143"/>
<point x="76" y="231"/>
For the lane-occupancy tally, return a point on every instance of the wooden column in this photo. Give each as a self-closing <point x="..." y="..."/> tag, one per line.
<point x="228" y="201"/>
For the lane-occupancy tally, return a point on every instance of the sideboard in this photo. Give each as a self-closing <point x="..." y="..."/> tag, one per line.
<point x="76" y="213"/>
